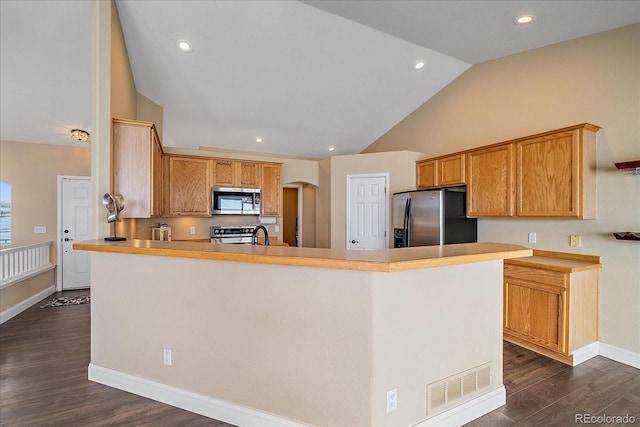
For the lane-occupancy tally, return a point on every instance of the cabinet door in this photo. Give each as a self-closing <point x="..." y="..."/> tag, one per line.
<point x="189" y="186"/>
<point x="549" y="176"/>
<point x="132" y="165"/>
<point x="451" y="170"/>
<point x="426" y="174"/>
<point x="157" y="184"/>
<point x="249" y="175"/>
<point x="535" y="312"/>
<point x="224" y="173"/>
<point x="490" y="182"/>
<point x="271" y="189"/>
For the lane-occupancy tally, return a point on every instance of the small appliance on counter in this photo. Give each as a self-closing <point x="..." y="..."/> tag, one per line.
<point x="232" y="234"/>
<point x="432" y="217"/>
<point x="162" y="232"/>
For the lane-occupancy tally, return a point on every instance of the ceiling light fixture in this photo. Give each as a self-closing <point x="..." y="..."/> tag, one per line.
<point x="418" y="65"/>
<point x="258" y="139"/>
<point x="524" y="19"/>
<point x="80" y="135"/>
<point x="332" y="148"/>
<point x="185" y="46"/>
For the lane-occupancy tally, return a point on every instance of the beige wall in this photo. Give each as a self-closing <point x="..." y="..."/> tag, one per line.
<point x="592" y="79"/>
<point x="25" y="289"/>
<point x="32" y="170"/>
<point x="399" y="165"/>
<point x="123" y="88"/>
<point x="314" y="345"/>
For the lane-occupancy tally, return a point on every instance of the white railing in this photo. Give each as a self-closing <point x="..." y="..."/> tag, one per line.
<point x="22" y="262"/>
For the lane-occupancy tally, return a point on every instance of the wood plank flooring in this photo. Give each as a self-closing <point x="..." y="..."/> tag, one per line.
<point x="44" y="355"/>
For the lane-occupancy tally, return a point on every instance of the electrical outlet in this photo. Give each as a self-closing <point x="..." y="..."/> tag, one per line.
<point x="575" y="241"/>
<point x="192" y="230"/>
<point x="276" y="228"/>
<point x="166" y="355"/>
<point x="532" y="237"/>
<point x="392" y="400"/>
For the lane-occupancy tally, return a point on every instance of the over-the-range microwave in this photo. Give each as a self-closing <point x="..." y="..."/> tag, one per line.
<point x="235" y="201"/>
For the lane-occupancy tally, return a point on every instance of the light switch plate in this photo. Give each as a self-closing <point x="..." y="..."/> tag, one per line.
<point x="40" y="230"/>
<point x="532" y="237"/>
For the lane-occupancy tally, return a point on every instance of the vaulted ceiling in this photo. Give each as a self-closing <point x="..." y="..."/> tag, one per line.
<point x="302" y="75"/>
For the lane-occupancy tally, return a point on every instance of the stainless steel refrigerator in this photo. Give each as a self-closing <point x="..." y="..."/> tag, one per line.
<point x="432" y="217"/>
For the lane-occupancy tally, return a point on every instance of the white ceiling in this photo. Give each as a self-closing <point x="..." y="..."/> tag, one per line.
<point x="302" y="75"/>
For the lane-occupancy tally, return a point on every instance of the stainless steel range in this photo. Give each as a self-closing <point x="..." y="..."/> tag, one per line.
<point x="232" y="234"/>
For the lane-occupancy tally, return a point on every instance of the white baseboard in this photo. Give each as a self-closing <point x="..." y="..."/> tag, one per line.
<point x="209" y="407"/>
<point x="244" y="416"/>
<point x="585" y="353"/>
<point x="22" y="306"/>
<point x="469" y="411"/>
<point x="619" y="355"/>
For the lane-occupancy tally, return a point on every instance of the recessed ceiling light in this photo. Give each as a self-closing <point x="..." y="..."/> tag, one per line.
<point x="332" y="148"/>
<point x="418" y="65"/>
<point x="185" y="46"/>
<point x="258" y="139"/>
<point x="524" y="19"/>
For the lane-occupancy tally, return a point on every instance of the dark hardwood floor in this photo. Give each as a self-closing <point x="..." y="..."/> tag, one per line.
<point x="44" y="354"/>
<point x="544" y="392"/>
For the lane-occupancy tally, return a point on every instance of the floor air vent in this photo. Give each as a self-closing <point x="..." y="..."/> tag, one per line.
<point x="449" y="392"/>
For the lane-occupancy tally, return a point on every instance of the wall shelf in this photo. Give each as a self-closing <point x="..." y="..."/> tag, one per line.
<point x="627" y="235"/>
<point x="632" y="167"/>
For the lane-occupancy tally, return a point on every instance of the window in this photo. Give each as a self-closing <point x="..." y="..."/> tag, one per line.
<point x="5" y="213"/>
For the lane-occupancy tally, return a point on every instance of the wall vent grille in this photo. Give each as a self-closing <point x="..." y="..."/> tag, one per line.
<point x="456" y="389"/>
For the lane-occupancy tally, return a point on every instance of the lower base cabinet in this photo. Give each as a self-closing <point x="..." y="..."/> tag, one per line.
<point x="551" y="303"/>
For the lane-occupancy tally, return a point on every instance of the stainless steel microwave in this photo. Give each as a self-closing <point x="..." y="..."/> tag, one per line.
<point x="235" y="201"/>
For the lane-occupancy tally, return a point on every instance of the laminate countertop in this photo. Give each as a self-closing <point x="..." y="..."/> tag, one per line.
<point x="384" y="260"/>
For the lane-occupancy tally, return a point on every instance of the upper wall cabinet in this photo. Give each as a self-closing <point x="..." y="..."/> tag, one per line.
<point x="137" y="168"/>
<point x="491" y="182"/>
<point x="189" y="186"/>
<point x="441" y="172"/>
<point x="236" y="173"/>
<point x="271" y="189"/>
<point x="556" y="174"/>
<point x="548" y="175"/>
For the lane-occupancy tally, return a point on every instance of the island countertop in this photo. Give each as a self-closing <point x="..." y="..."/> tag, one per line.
<point x="384" y="260"/>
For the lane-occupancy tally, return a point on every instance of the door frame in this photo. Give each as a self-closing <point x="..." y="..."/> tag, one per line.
<point x="300" y="205"/>
<point x="384" y="175"/>
<point x="59" y="180"/>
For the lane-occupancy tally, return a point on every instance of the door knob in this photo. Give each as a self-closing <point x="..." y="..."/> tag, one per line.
<point x="66" y="239"/>
<point x="353" y="242"/>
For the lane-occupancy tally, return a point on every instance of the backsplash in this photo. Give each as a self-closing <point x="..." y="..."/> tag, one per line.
<point x="180" y="226"/>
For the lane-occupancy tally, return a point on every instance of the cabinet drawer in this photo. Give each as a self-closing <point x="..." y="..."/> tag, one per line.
<point x="548" y="277"/>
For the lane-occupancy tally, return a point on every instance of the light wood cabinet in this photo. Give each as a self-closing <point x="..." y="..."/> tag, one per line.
<point x="236" y="173"/>
<point x="556" y="174"/>
<point x="426" y="173"/>
<point x="491" y="182"/>
<point x="189" y="186"/>
<point x="551" y="302"/>
<point x="441" y="172"/>
<point x="137" y="168"/>
<point x="271" y="189"/>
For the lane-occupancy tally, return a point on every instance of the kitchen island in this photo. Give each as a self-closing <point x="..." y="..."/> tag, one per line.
<point x="256" y="335"/>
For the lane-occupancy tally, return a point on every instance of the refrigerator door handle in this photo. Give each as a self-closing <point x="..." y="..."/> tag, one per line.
<point x="407" y="229"/>
<point x="405" y="223"/>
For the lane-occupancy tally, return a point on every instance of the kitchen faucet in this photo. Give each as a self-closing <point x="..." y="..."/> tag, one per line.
<point x="254" y="236"/>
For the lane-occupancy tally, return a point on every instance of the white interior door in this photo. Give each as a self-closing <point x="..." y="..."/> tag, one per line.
<point x="75" y="224"/>
<point x="367" y="212"/>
